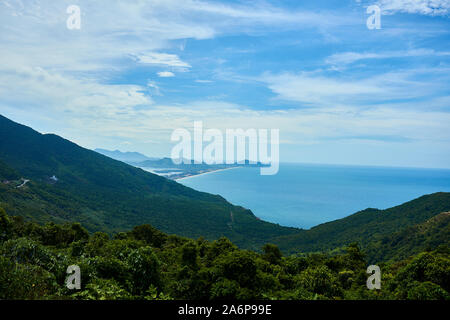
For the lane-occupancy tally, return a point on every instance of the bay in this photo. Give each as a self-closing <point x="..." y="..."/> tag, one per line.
<point x="305" y="195"/>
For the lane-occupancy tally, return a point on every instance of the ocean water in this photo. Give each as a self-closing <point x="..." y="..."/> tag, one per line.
<point x="303" y="196"/>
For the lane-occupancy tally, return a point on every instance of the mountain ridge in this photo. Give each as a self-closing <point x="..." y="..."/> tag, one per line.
<point x="124" y="156"/>
<point x="366" y="225"/>
<point x="111" y="196"/>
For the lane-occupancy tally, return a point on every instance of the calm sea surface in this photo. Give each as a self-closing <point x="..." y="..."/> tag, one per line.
<point x="303" y="195"/>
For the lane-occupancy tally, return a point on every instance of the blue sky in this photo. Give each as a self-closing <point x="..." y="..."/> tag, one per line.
<point x="136" y="70"/>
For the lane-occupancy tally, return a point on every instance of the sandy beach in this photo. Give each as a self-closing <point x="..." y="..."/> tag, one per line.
<point x="199" y="174"/>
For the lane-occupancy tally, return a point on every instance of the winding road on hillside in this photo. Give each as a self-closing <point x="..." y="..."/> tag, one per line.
<point x="25" y="181"/>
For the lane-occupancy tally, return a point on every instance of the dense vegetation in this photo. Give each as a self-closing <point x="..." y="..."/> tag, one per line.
<point x="148" y="264"/>
<point x="412" y="240"/>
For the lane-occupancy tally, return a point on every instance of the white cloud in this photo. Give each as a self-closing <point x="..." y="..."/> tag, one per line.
<point x="171" y="60"/>
<point x="115" y="30"/>
<point x="114" y="36"/>
<point x="154" y="87"/>
<point x="319" y="90"/>
<point x="166" y="74"/>
<point x="424" y="7"/>
<point x="48" y="67"/>
<point x="203" y="81"/>
<point x="251" y="13"/>
<point x="351" y="57"/>
<point x="323" y="90"/>
<point x="39" y="89"/>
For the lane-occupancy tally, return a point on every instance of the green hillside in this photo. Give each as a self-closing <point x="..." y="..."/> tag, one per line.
<point x="146" y="264"/>
<point x="412" y="240"/>
<point x="70" y="183"/>
<point x="366" y="226"/>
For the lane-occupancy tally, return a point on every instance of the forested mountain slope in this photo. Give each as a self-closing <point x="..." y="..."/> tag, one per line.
<point x="367" y="225"/>
<point x="70" y="183"/>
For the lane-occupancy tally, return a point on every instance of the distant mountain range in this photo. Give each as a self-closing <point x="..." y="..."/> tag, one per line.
<point x="47" y="178"/>
<point x="125" y="156"/>
<point x="167" y="167"/>
<point x="139" y="160"/>
<point x="185" y="163"/>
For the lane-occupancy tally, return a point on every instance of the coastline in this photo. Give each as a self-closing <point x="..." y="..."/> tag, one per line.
<point x="207" y="172"/>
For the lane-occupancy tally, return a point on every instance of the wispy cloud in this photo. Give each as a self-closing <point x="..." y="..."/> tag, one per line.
<point x="39" y="89"/>
<point x="153" y="87"/>
<point x="115" y="36"/>
<point x="163" y="59"/>
<point x="351" y="57"/>
<point x="203" y="81"/>
<point x="166" y="74"/>
<point x="424" y="7"/>
<point x="319" y="89"/>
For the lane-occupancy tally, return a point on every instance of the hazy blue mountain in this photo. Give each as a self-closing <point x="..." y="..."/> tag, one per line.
<point x="125" y="156"/>
<point x="190" y="164"/>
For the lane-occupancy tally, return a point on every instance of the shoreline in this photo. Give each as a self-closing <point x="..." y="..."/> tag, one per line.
<point x="207" y="172"/>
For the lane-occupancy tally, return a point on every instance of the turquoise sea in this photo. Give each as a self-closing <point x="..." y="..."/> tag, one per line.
<point x="305" y="195"/>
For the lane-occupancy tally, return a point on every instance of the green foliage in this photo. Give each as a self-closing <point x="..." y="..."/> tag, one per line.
<point x="102" y="289"/>
<point x="412" y="240"/>
<point x="24" y="281"/>
<point x="426" y="291"/>
<point x="7" y="173"/>
<point x="113" y="268"/>
<point x="26" y="251"/>
<point x="189" y="254"/>
<point x="320" y="280"/>
<point x="150" y="235"/>
<point x="272" y="253"/>
<point x="5" y="225"/>
<point x="225" y="289"/>
<point x="238" y="266"/>
<point x="147" y="264"/>
<point x="433" y="267"/>
<point x="144" y="269"/>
